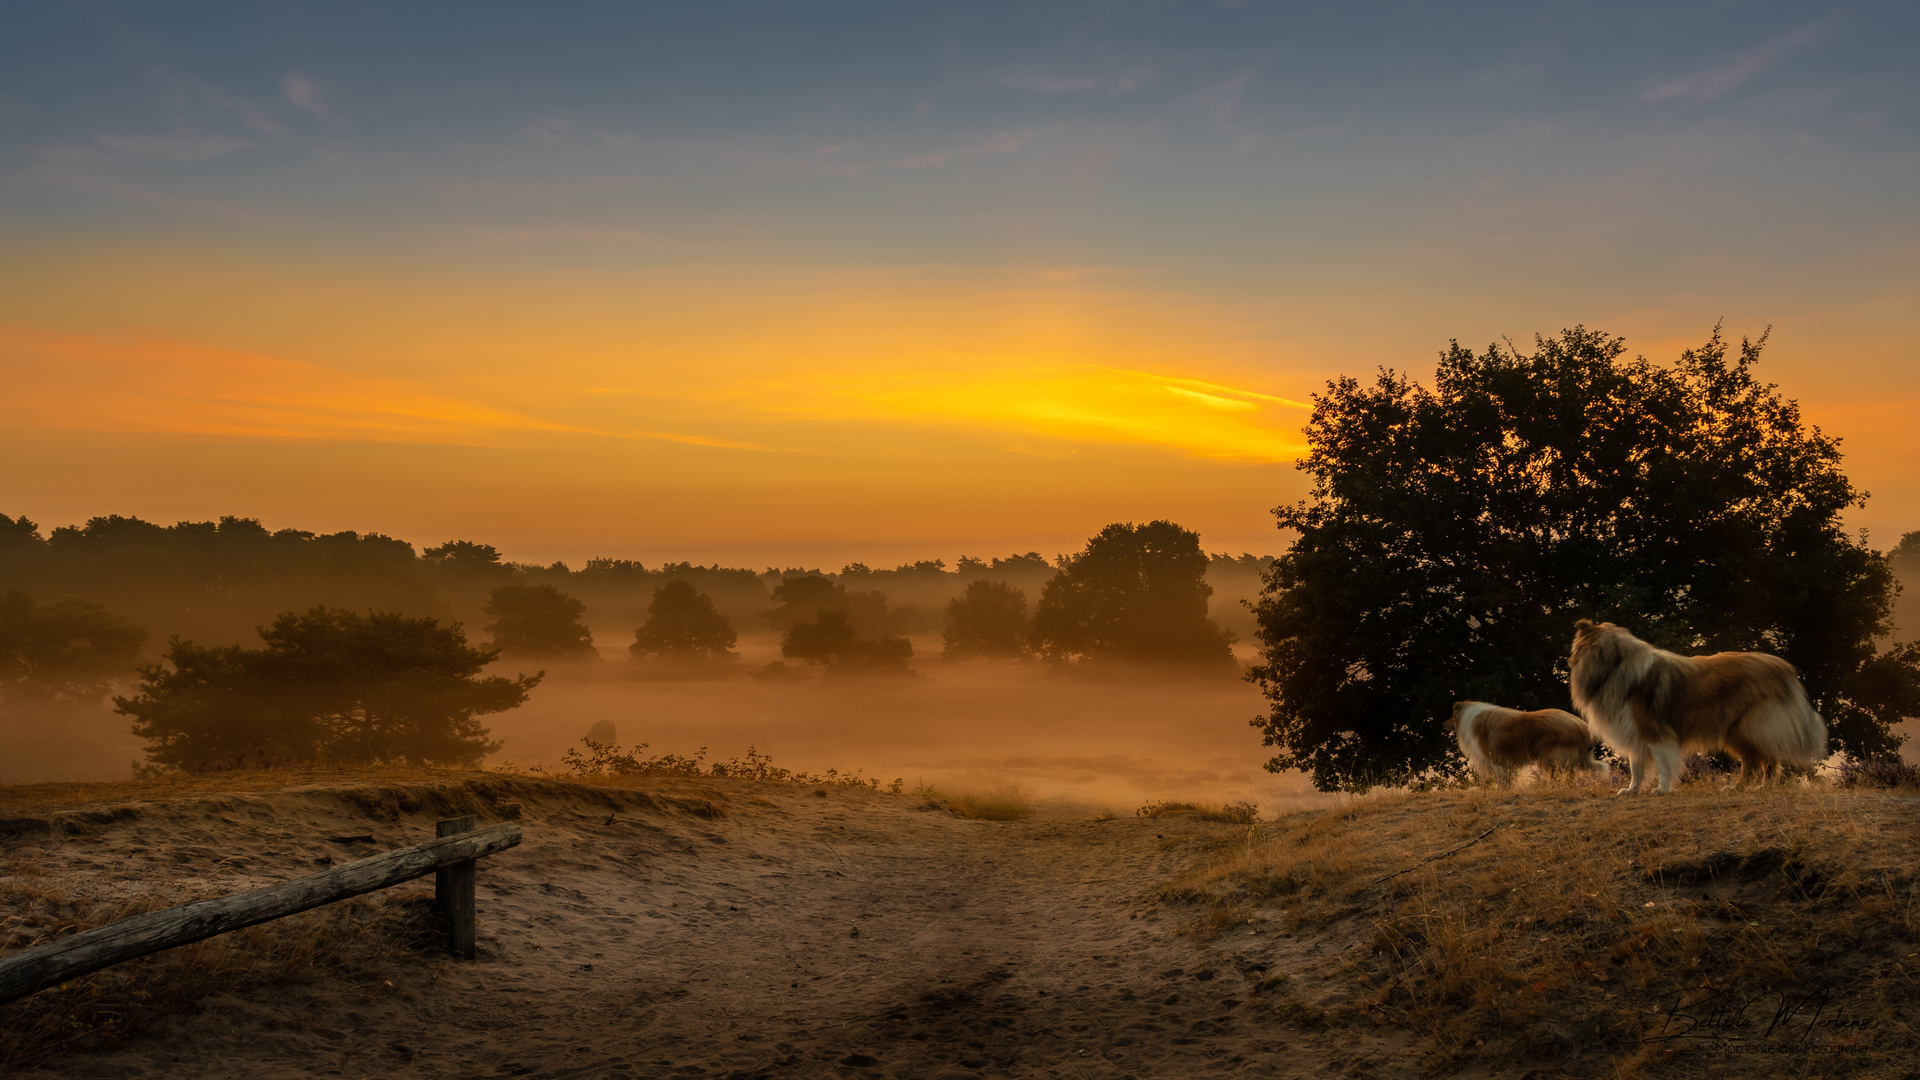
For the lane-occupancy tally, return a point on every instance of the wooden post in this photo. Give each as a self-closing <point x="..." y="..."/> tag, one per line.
<point x="57" y="961"/>
<point x="449" y="827"/>
<point x="453" y="891"/>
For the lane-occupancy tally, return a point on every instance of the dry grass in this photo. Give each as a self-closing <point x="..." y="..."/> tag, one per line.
<point x="1584" y="931"/>
<point x="979" y="799"/>
<point x="357" y="945"/>
<point x="32" y="799"/>
<point x="1242" y="813"/>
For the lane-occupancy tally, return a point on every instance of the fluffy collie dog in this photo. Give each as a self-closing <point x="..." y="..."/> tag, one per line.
<point x="1650" y="705"/>
<point x="1500" y="742"/>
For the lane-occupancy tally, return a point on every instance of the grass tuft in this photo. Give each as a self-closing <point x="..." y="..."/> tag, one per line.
<point x="1241" y="813"/>
<point x="981" y="801"/>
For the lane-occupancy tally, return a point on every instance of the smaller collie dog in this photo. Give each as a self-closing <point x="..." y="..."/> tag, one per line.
<point x="1500" y="742"/>
<point x="1650" y="705"/>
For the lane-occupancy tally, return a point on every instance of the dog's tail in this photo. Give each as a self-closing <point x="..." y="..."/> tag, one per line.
<point x="1787" y="729"/>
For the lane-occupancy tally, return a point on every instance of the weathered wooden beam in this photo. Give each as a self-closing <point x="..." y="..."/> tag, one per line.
<point x="57" y="961"/>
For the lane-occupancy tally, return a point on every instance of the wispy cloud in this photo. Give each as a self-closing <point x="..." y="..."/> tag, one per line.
<point x="54" y="171"/>
<point x="1011" y="142"/>
<point x="634" y="237"/>
<point x="304" y="93"/>
<point x="1722" y="79"/>
<point x="1055" y="82"/>
<point x="152" y="146"/>
<point x="188" y="93"/>
<point x="130" y="384"/>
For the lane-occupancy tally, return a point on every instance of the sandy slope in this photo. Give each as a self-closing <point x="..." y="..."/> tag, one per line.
<point x="795" y="933"/>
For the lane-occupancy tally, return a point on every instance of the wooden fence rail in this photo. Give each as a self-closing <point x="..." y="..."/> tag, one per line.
<point x="56" y="962"/>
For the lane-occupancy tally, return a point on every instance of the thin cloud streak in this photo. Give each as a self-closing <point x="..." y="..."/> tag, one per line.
<point x="1717" y="82"/>
<point x="154" y="385"/>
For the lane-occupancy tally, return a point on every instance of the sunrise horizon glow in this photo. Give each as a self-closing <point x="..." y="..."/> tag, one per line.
<point x="763" y="286"/>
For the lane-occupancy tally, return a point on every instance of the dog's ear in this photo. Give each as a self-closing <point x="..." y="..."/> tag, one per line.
<point x="1583" y="627"/>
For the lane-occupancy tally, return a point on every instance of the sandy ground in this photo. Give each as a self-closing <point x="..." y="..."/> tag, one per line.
<point x="799" y="933"/>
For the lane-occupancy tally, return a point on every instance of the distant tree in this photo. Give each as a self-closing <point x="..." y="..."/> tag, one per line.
<point x="330" y="685"/>
<point x="988" y="620"/>
<point x="1453" y="536"/>
<point x="1905" y="556"/>
<point x="68" y="652"/>
<point x="799" y="597"/>
<point x="1134" y="594"/>
<point x="682" y="623"/>
<point x="538" y="621"/>
<point x="831" y="640"/>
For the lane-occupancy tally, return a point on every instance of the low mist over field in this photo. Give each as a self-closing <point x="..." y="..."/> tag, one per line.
<point x="1116" y="734"/>
<point x="1116" y="741"/>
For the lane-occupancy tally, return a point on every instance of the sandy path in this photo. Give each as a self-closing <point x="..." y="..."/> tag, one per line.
<point x="854" y="933"/>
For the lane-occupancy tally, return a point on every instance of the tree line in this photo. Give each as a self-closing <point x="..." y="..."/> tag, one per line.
<point x="333" y="684"/>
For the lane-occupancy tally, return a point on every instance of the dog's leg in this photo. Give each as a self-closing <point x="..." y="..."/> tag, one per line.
<point x="1637" y="764"/>
<point x="1666" y="757"/>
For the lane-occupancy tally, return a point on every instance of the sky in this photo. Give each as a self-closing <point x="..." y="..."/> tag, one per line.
<point x="804" y="284"/>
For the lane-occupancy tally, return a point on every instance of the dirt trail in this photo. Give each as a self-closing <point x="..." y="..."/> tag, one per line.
<point x="801" y="934"/>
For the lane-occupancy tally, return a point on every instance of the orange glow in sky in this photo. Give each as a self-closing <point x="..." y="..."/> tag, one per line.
<point x="881" y="294"/>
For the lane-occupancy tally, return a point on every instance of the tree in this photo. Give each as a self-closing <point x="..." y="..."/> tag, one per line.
<point x="67" y="652"/>
<point x="1904" y="560"/>
<point x="538" y="621"/>
<point x="831" y="640"/>
<point x="800" y="597"/>
<point x="682" y="623"/>
<point x="988" y="620"/>
<point x="1134" y="594"/>
<point x="330" y="685"/>
<point x="1452" y="537"/>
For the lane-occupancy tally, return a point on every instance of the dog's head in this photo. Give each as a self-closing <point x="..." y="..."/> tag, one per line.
<point x="1586" y="631"/>
<point x="1453" y="722"/>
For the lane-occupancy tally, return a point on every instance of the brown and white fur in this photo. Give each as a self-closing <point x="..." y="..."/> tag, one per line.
<point x="1499" y="742"/>
<point x="1650" y="705"/>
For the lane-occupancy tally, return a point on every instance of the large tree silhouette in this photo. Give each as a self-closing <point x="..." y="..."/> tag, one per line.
<point x="1453" y="536"/>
